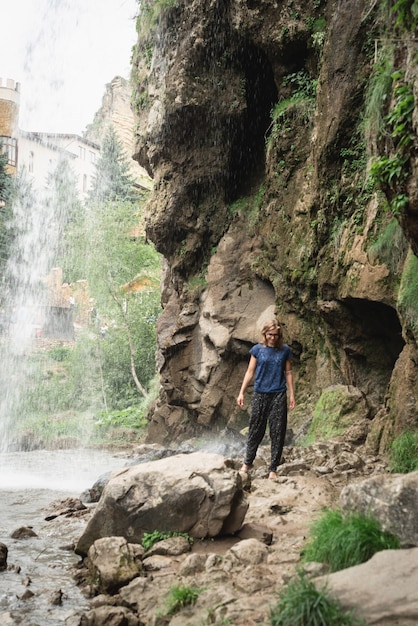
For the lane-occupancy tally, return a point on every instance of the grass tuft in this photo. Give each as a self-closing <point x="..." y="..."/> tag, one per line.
<point x="302" y="604"/>
<point x="341" y="541"/>
<point x="181" y="597"/>
<point x="404" y="453"/>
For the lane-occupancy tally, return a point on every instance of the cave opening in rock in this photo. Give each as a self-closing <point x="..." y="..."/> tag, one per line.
<point x="246" y="166"/>
<point x="372" y="342"/>
<point x="376" y="326"/>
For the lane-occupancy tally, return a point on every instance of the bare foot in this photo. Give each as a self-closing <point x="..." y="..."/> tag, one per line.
<point x="245" y="468"/>
<point x="272" y="475"/>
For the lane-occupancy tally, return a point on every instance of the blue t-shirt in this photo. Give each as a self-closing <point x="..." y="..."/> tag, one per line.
<point x="269" y="373"/>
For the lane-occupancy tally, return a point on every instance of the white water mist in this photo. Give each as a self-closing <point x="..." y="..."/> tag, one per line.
<point x="37" y="222"/>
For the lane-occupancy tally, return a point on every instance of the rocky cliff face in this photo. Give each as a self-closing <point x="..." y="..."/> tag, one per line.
<point x="259" y="121"/>
<point x="116" y="111"/>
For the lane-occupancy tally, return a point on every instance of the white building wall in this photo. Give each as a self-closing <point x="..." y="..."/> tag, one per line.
<point x="39" y="154"/>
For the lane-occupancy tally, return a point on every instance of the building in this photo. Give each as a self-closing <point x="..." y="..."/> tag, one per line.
<point x="39" y="152"/>
<point x="9" y="117"/>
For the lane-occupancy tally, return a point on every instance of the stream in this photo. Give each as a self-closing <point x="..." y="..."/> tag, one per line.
<point x="29" y="483"/>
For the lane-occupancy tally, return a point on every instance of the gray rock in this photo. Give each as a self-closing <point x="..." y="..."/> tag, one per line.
<point x="115" y="562"/>
<point x="391" y="499"/>
<point x="383" y="591"/>
<point x="195" y="493"/>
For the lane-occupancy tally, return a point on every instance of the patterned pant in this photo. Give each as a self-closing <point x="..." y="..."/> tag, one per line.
<point x="271" y="408"/>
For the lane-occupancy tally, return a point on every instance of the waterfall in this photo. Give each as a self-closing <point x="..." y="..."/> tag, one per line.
<point x="28" y="298"/>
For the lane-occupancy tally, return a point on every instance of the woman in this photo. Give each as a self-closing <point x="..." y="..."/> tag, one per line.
<point x="271" y="363"/>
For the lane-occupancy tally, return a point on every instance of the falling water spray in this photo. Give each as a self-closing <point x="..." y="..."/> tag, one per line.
<point x="38" y="219"/>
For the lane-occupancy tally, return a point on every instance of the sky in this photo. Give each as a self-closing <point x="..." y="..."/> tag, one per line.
<point x="63" y="53"/>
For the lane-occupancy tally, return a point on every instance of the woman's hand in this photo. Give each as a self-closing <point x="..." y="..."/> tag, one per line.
<point x="240" y="400"/>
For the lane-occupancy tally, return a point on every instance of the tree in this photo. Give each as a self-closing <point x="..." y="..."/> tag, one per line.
<point x="112" y="180"/>
<point x="64" y="206"/>
<point x="123" y="273"/>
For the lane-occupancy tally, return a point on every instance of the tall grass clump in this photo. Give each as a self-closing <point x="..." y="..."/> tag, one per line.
<point x="180" y="597"/>
<point x="403" y="453"/>
<point x="302" y="604"/>
<point x="391" y="247"/>
<point x="378" y="95"/>
<point x="341" y="541"/>
<point x="408" y="293"/>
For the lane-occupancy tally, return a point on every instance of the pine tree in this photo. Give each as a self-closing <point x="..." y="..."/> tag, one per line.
<point x="112" y="180"/>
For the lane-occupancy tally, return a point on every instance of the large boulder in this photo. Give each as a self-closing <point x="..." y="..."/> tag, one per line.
<point x="392" y="500"/>
<point x="197" y="493"/>
<point x="383" y="591"/>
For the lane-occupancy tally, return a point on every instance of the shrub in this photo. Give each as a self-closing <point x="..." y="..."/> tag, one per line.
<point x="302" y="604"/>
<point x="404" y="453"/>
<point x="60" y="353"/>
<point x="343" y="541"/>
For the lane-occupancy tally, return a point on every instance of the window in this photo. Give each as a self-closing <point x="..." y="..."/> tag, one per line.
<point x="30" y="162"/>
<point x="82" y="152"/>
<point x="92" y="157"/>
<point x="9" y="146"/>
<point x="84" y="183"/>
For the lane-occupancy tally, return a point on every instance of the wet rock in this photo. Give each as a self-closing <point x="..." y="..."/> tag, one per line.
<point x="3" y="556"/>
<point x="24" y="532"/>
<point x="56" y="597"/>
<point x="67" y="507"/>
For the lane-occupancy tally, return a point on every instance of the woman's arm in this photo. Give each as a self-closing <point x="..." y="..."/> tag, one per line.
<point x="289" y="382"/>
<point x="249" y="374"/>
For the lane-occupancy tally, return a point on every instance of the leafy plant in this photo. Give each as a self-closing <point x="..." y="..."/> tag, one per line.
<point x="301" y="101"/>
<point x="400" y="116"/>
<point x="406" y="12"/>
<point x="317" y="27"/>
<point x="302" y="604"/>
<point x="404" y="453"/>
<point x="389" y="170"/>
<point x="181" y="597"/>
<point x="149" y="539"/>
<point x="392" y="171"/>
<point x="342" y="541"/>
